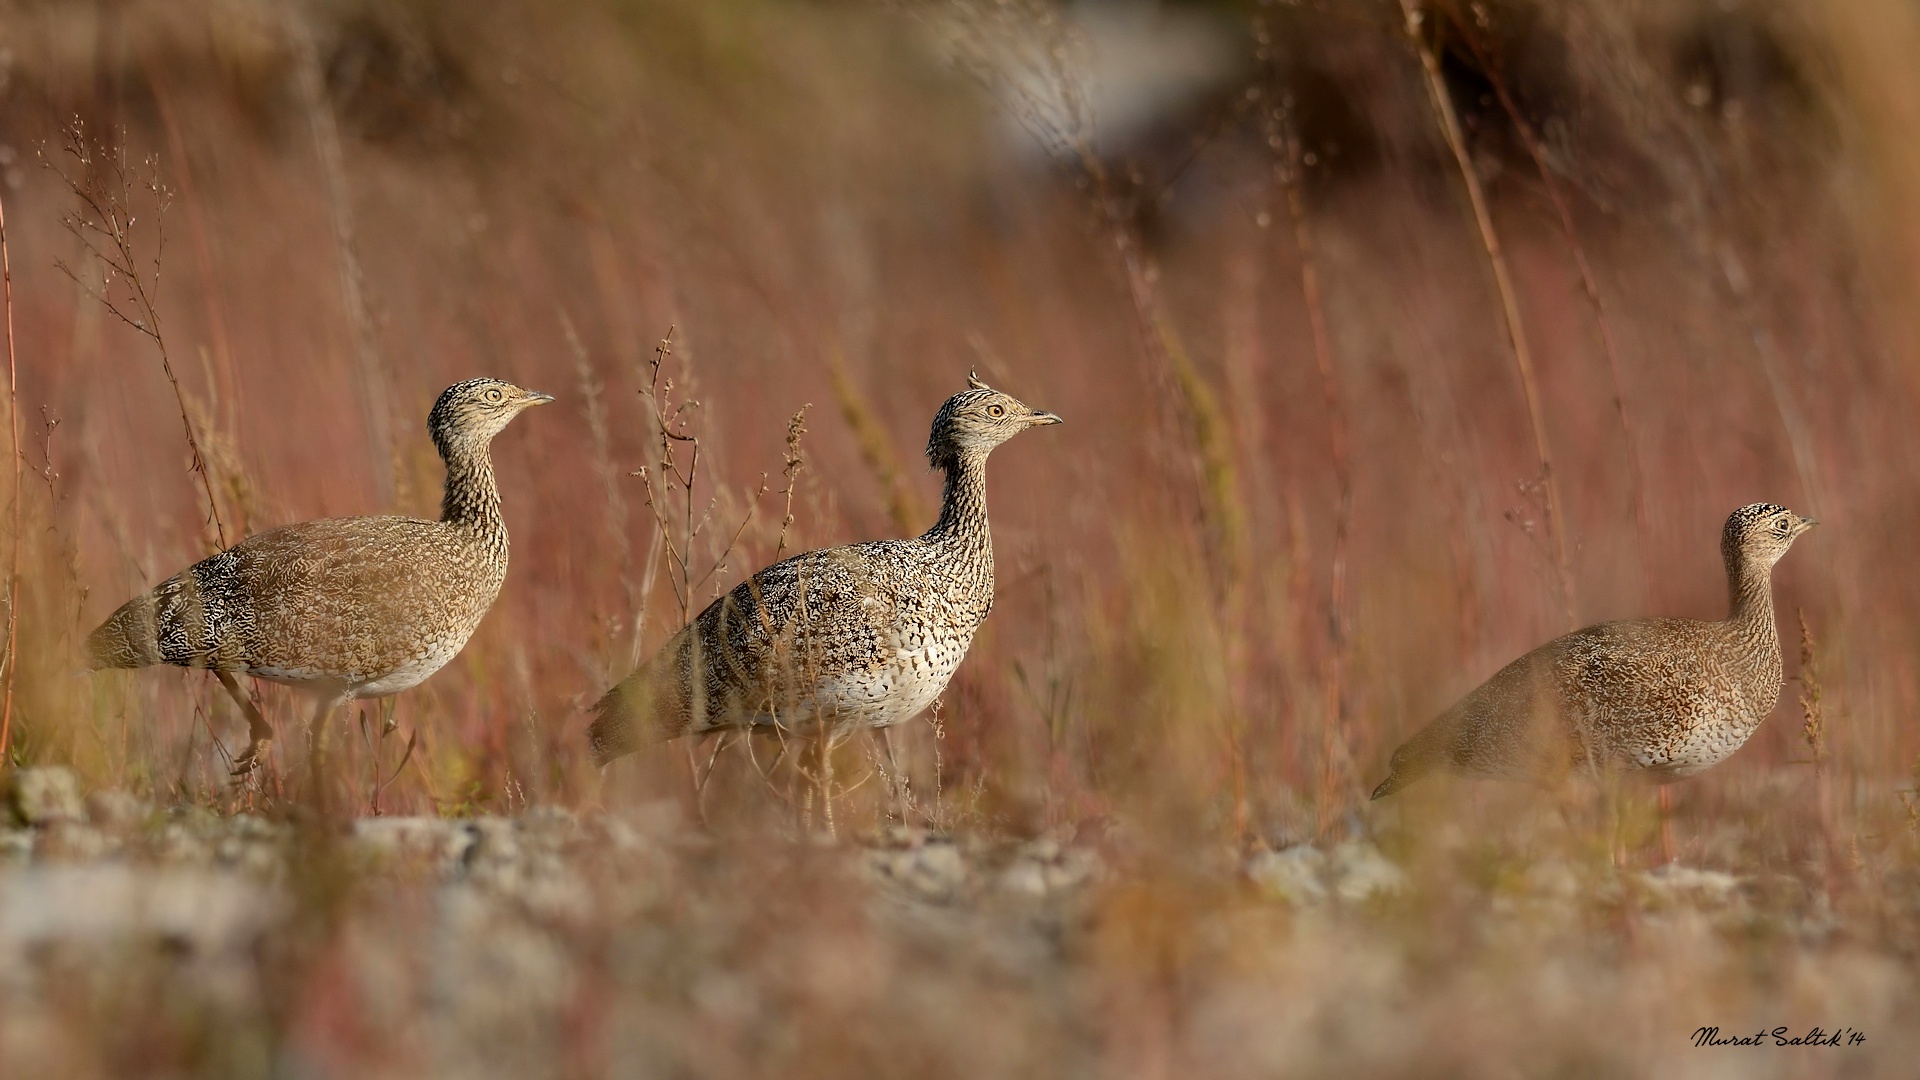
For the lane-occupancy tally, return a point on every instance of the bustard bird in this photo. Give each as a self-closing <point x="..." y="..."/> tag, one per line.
<point x="1664" y="697"/>
<point x="344" y="607"/>
<point x="841" y="638"/>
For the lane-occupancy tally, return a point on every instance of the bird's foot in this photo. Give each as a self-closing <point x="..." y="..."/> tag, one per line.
<point x="251" y="759"/>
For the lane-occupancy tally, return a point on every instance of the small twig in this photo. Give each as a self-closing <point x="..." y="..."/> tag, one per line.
<point x="796" y="427"/>
<point x="104" y="226"/>
<point x="720" y="562"/>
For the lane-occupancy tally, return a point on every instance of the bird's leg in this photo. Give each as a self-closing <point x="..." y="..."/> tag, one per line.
<point x="898" y="791"/>
<point x="259" y="732"/>
<point x="317" y="746"/>
<point x="701" y="777"/>
<point x="1666" y="823"/>
<point x="826" y="743"/>
<point x="719" y="744"/>
<point x="1616" y="824"/>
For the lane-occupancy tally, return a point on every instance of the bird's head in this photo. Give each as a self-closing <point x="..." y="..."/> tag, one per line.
<point x="469" y="414"/>
<point x="1759" y="533"/>
<point x="978" y="419"/>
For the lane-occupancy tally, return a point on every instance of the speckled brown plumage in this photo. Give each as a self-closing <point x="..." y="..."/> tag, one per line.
<point x="848" y="637"/>
<point x="1667" y="697"/>
<point x="347" y="607"/>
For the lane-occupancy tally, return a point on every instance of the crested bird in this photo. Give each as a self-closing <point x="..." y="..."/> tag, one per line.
<point x="838" y="639"/>
<point x="346" y="608"/>
<point x="1664" y="698"/>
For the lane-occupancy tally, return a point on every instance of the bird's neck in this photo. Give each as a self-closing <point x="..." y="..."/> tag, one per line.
<point x="962" y="528"/>
<point x="1750" y="603"/>
<point x="472" y="500"/>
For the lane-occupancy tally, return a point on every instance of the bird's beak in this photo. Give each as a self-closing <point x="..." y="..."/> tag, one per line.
<point x="1041" y="419"/>
<point x="1806" y="523"/>
<point x="535" y="397"/>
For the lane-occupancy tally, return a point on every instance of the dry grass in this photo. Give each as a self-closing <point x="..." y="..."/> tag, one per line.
<point x="1302" y="502"/>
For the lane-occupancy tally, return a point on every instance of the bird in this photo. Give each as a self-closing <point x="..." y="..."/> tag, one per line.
<point x="346" y="608"/>
<point x="838" y="639"/>
<point x="1663" y="698"/>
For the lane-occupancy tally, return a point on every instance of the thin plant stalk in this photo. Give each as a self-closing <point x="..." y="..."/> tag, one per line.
<point x="1027" y="47"/>
<point x="1449" y="123"/>
<point x="1069" y="136"/>
<point x="106" y="218"/>
<point x="903" y="507"/>
<point x="1814" y="730"/>
<point x="1799" y="437"/>
<point x="375" y="392"/>
<point x="796" y="427"/>
<point x="669" y="489"/>
<point x="202" y="250"/>
<point x="1333" y="747"/>
<point x="12" y="659"/>
<point x="592" y="396"/>
<point x="1589" y="284"/>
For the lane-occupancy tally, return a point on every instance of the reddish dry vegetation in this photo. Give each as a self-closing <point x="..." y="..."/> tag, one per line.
<point x="1384" y="356"/>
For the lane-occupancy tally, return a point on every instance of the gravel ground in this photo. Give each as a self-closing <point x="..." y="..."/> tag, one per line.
<point x="136" y="940"/>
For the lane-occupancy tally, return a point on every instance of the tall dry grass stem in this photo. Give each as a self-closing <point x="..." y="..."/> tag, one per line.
<point x="104" y="223"/>
<point x="1800" y="443"/>
<point x="12" y="658"/>
<point x="1813" y="729"/>
<point x="1334" y="746"/>
<point x="1219" y="472"/>
<point x="593" y="404"/>
<point x="1449" y="124"/>
<point x="1032" y="53"/>
<point x="227" y="385"/>
<point x="1589" y="283"/>
<point x="670" y="486"/>
<point x="1230" y="542"/>
<point x="1028" y="50"/>
<point x="904" y="508"/>
<point x="1289" y="168"/>
<point x="375" y="380"/>
<point x="672" y="427"/>
<point x="793" y="463"/>
<point x="220" y="425"/>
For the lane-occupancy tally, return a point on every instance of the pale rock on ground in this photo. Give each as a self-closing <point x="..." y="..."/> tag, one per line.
<point x="44" y="795"/>
<point x="1353" y="872"/>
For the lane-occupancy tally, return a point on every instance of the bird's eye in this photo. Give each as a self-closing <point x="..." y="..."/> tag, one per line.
<point x="494" y="395"/>
<point x="996" y="411"/>
<point x="1780" y="526"/>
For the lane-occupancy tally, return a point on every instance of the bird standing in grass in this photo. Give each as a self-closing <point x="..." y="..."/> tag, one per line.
<point x="1663" y="697"/>
<point x="344" y="607"/>
<point x="841" y="638"/>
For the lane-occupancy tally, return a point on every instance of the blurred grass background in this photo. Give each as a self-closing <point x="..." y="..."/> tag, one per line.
<point x="1299" y="505"/>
